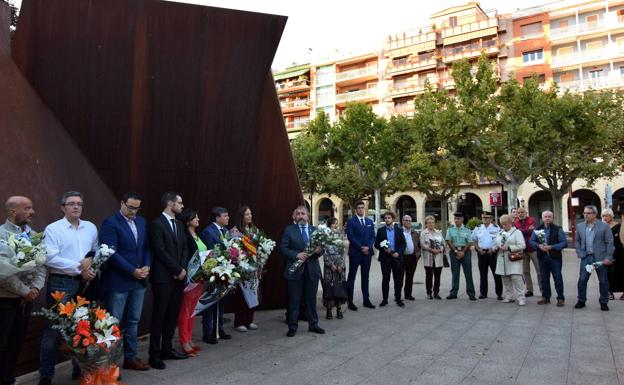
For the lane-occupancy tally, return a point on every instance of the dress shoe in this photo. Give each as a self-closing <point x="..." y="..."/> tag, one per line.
<point x="604" y="307"/>
<point x="429" y="296"/>
<point x="399" y="302"/>
<point x="560" y="302"/>
<point x="135" y="364"/>
<point x="543" y="301"/>
<point x="241" y="329"/>
<point x="329" y="314"/>
<point x="529" y="293"/>
<point x="252" y="326"/>
<point x="369" y="305"/>
<point x="210" y="340"/>
<point x="157" y="364"/>
<point x="437" y="296"/>
<point x="291" y="333"/>
<point x="500" y="298"/>
<point x="579" y="305"/>
<point x="317" y="330"/>
<point x="411" y="298"/>
<point x="190" y="353"/>
<point x="482" y="296"/>
<point x="383" y="303"/>
<point x="224" y="336"/>
<point x="451" y="296"/>
<point x="472" y="298"/>
<point x="45" y="381"/>
<point x="352" y="306"/>
<point x="339" y="313"/>
<point x="174" y="355"/>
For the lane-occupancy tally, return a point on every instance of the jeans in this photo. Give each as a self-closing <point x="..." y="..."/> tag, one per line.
<point x="364" y="262"/>
<point x="603" y="280"/>
<point x="209" y="318"/>
<point x="466" y="264"/>
<point x="126" y="306"/>
<point x="51" y="338"/>
<point x="14" y="316"/>
<point x="552" y="266"/>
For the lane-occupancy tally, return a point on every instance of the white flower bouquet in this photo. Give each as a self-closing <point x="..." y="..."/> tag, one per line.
<point x="322" y="237"/>
<point x="101" y="256"/>
<point x="541" y="237"/>
<point x="21" y="253"/>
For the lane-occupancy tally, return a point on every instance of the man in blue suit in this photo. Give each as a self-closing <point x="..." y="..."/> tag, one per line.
<point x="361" y="235"/>
<point x="304" y="279"/>
<point x="213" y="235"/>
<point x="125" y="276"/>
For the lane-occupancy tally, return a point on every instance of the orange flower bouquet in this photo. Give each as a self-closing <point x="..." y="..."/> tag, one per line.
<point x="92" y="335"/>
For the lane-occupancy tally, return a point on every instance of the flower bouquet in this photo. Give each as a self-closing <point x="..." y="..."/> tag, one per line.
<point x="21" y="254"/>
<point x="322" y="237"/>
<point x="260" y="246"/>
<point x="92" y="335"/>
<point x="541" y="237"/>
<point x="101" y="256"/>
<point x="590" y="267"/>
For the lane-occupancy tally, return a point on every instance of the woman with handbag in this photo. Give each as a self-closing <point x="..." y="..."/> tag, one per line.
<point x="334" y="279"/>
<point x="509" y="244"/>
<point x="432" y="254"/>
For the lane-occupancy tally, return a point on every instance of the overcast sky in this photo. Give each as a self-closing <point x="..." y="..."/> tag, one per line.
<point x="318" y="28"/>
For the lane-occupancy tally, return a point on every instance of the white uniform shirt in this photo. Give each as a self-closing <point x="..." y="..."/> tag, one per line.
<point x="484" y="236"/>
<point x="67" y="245"/>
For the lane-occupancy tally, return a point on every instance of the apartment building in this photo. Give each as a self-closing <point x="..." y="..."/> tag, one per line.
<point x="293" y="90"/>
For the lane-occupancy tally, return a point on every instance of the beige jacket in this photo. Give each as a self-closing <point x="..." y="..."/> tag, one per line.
<point x="515" y="240"/>
<point x="425" y="242"/>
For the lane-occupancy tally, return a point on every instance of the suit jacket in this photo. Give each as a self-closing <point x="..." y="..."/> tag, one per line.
<point x="416" y="239"/>
<point x="130" y="254"/>
<point x="211" y="236"/>
<point x="603" y="240"/>
<point x="399" y="243"/>
<point x="359" y="236"/>
<point x="291" y="245"/>
<point x="169" y="251"/>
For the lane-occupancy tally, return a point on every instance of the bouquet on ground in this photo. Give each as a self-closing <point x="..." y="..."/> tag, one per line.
<point x="92" y="335"/>
<point x="322" y="237"/>
<point x="22" y="253"/>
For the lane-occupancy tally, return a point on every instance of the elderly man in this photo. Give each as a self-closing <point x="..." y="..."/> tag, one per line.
<point x="17" y="292"/>
<point x="526" y="225"/>
<point x="411" y="255"/>
<point x="550" y="258"/>
<point x="594" y="243"/>
<point x="483" y="240"/>
<point x="458" y="239"/>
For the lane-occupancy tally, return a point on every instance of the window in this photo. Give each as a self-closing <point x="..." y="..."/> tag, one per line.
<point x="399" y="61"/>
<point x="567" y="77"/>
<point x="592" y="21"/>
<point x="324" y="95"/>
<point x="563" y="25"/>
<point x="619" y="41"/>
<point x="531" y="30"/>
<point x="620" y="15"/>
<point x="594" y="45"/>
<point x="324" y="75"/>
<point x="453" y="21"/>
<point x="541" y="79"/>
<point x="532" y="56"/>
<point x="565" y="51"/>
<point x="622" y="71"/>
<point x="596" y="74"/>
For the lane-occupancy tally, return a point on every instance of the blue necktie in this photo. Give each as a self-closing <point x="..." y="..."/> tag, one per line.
<point x="304" y="234"/>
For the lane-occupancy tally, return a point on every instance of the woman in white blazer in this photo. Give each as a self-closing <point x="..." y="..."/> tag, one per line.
<point x="508" y="242"/>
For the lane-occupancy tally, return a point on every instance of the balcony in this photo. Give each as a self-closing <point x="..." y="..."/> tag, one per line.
<point x="298" y="125"/>
<point x="357" y="75"/>
<point x="584" y="57"/>
<point x="367" y="95"/>
<point x="407" y="88"/>
<point x="470" y="31"/>
<point x="293" y="86"/>
<point x="470" y="50"/>
<point x="613" y="81"/>
<point x="412" y="64"/>
<point x="610" y="21"/>
<point x="295" y="105"/>
<point x="406" y="109"/>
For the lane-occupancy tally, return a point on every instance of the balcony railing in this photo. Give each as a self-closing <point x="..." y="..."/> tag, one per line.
<point x="404" y="108"/>
<point x="469" y="27"/>
<point x="295" y="104"/>
<point x="584" y="56"/>
<point x="424" y="60"/>
<point x="413" y="85"/>
<point x="357" y="73"/>
<point x="610" y="20"/>
<point x="469" y="50"/>
<point x="356" y="95"/>
<point x="297" y="125"/>
<point x="616" y="80"/>
<point x="292" y="84"/>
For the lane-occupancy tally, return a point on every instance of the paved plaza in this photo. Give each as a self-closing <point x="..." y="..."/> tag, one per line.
<point x="426" y="342"/>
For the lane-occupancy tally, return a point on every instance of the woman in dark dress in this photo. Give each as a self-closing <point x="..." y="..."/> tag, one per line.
<point x="334" y="272"/>
<point x="616" y="271"/>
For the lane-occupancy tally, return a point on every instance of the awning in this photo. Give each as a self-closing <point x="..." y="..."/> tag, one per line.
<point x="470" y="36"/>
<point x="416" y="48"/>
<point x="290" y="74"/>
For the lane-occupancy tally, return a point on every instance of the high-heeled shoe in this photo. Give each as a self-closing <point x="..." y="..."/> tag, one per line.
<point x="190" y="353"/>
<point x="339" y="313"/>
<point x="329" y="314"/>
<point x="197" y="348"/>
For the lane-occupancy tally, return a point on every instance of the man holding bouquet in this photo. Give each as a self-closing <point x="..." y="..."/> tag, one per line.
<point x="390" y="242"/>
<point x="302" y="272"/>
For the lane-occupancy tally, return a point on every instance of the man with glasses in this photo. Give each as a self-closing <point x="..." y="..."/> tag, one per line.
<point x="125" y="278"/>
<point x="483" y="240"/>
<point x="411" y="255"/>
<point x="361" y="236"/>
<point x="594" y="243"/>
<point x="68" y="241"/>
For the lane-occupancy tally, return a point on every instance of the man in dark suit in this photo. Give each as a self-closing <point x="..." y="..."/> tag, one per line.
<point x="168" y="274"/>
<point x="213" y="235"/>
<point x="304" y="279"/>
<point x="361" y="236"/>
<point x="125" y="276"/>
<point x="391" y="257"/>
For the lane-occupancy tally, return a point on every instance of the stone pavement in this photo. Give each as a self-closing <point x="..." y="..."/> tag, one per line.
<point x="427" y="342"/>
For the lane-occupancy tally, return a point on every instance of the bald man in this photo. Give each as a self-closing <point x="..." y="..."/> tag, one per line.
<point x="18" y="292"/>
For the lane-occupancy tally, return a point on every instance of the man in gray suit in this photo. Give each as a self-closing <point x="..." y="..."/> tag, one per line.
<point x="594" y="243"/>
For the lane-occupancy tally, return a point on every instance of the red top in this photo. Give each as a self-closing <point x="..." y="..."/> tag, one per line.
<point x="526" y="226"/>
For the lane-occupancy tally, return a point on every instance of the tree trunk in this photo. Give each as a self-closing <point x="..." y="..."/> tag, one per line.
<point x="444" y="215"/>
<point x="377" y="206"/>
<point x="557" y="206"/>
<point x="512" y="196"/>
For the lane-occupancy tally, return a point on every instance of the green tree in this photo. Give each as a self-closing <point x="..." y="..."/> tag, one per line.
<point x="13" y="16"/>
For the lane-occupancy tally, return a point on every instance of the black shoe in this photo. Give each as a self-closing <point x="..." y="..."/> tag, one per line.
<point x="482" y="296"/>
<point x="224" y="336"/>
<point x="472" y="298"/>
<point x="291" y="333"/>
<point x="429" y="296"/>
<point x="410" y="298"/>
<point x="352" y="306"/>
<point x="604" y="307"/>
<point x="383" y="303"/>
<point x="317" y="330"/>
<point x="499" y="298"/>
<point x="329" y="314"/>
<point x="173" y="355"/>
<point x="369" y="305"/>
<point x="210" y="340"/>
<point x="437" y="296"/>
<point x="579" y="305"/>
<point x="45" y="381"/>
<point x="529" y="293"/>
<point x="451" y="296"/>
<point x="156" y="363"/>
<point x="399" y="302"/>
<point x="339" y="313"/>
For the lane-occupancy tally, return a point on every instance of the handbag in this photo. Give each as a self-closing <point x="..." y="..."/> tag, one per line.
<point x="515" y="256"/>
<point x="335" y="289"/>
<point x="445" y="261"/>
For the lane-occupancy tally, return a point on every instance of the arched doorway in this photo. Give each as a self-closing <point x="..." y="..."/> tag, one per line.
<point x="470" y="204"/>
<point x="539" y="202"/>
<point x="406" y="205"/>
<point x="434" y="207"/>
<point x="586" y="197"/>
<point x="326" y="210"/>
<point x="618" y="199"/>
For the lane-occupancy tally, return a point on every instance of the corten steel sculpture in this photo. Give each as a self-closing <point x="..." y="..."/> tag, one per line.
<point x="168" y="96"/>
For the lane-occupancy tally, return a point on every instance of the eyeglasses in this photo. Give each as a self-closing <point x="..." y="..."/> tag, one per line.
<point x="486" y="217"/>
<point x="589" y="213"/>
<point x="131" y="208"/>
<point x="73" y="204"/>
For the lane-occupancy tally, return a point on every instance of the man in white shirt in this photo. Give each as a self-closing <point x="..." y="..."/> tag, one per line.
<point x="483" y="240"/>
<point x="68" y="241"/>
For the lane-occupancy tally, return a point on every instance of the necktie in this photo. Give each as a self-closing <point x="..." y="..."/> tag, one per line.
<point x="304" y="234"/>
<point x="223" y="231"/>
<point x="362" y="222"/>
<point x="173" y="227"/>
<point x="133" y="228"/>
